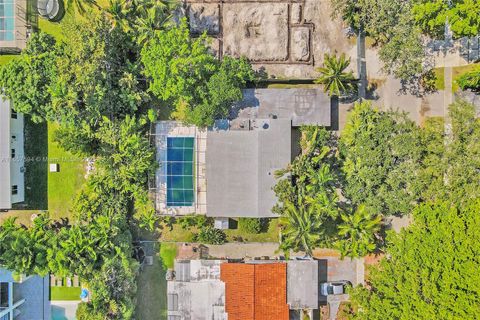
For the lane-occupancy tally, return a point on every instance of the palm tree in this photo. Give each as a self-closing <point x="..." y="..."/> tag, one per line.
<point x="117" y="12"/>
<point x="357" y="232"/>
<point x="144" y="17"/>
<point x="80" y="5"/>
<point x="300" y="229"/>
<point x="335" y="79"/>
<point x="153" y="18"/>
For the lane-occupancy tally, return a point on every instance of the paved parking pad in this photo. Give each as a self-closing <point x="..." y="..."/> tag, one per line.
<point x="332" y="268"/>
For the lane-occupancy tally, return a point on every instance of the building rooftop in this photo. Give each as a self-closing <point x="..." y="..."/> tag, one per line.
<point x="197" y="292"/>
<point x="240" y="167"/>
<point x="5" y="192"/>
<point x="255" y="291"/>
<point x="302" y="106"/>
<point x="36" y="292"/>
<point x="302" y="284"/>
<point x="33" y="291"/>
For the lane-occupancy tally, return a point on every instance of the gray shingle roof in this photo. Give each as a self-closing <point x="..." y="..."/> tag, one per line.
<point x="302" y="106"/>
<point x="241" y="166"/>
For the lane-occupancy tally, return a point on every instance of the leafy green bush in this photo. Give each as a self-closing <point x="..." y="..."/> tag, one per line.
<point x="26" y="80"/>
<point x="82" y="311"/>
<point x="198" y="97"/>
<point x="250" y="225"/>
<point x="210" y="235"/>
<point x="470" y="80"/>
<point x="198" y="221"/>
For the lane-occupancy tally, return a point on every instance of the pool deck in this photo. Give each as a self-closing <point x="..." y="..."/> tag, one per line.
<point x="21" y="28"/>
<point x="166" y="129"/>
<point x="64" y="310"/>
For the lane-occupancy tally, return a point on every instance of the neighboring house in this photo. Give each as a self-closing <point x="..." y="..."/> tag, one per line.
<point x="16" y="25"/>
<point x="228" y="171"/>
<point x="26" y="298"/>
<point x="254" y="290"/>
<point x="196" y="292"/>
<point x="12" y="159"/>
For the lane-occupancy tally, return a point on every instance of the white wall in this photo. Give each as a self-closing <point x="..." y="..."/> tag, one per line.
<point x="17" y="176"/>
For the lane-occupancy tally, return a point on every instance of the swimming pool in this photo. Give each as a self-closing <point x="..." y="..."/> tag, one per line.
<point x="7" y="20"/>
<point x="180" y="183"/>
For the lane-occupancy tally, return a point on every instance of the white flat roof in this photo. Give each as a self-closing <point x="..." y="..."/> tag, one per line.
<point x="5" y="192"/>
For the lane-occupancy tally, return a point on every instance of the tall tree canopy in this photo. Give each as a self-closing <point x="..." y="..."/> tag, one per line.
<point x="463" y="17"/>
<point x="390" y="163"/>
<point x="26" y="80"/>
<point x="183" y="73"/>
<point x="430" y="270"/>
<point x="98" y="77"/>
<point x="357" y="232"/>
<point x="381" y="152"/>
<point x="91" y="85"/>
<point x="308" y="202"/>
<point x="391" y="24"/>
<point x="384" y="165"/>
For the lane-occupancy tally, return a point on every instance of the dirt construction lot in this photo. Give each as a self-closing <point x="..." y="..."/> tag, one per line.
<point x="286" y="38"/>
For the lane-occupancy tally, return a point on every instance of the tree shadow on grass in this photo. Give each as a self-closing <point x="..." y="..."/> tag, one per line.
<point x="36" y="171"/>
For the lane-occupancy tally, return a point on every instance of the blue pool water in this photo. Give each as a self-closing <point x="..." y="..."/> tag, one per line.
<point x="180" y="184"/>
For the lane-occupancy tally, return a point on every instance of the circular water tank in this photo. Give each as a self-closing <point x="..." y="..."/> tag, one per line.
<point x="52" y="10"/>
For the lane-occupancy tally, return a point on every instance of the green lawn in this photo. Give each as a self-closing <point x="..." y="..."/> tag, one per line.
<point x="270" y="235"/>
<point x="21" y="216"/>
<point x="152" y="289"/>
<point x="65" y="293"/>
<point x="53" y="28"/>
<point x="44" y="190"/>
<point x="5" y="58"/>
<point x="439" y="78"/>
<point x="62" y="185"/>
<point x="456" y="73"/>
<point x="178" y="234"/>
<point x="168" y="252"/>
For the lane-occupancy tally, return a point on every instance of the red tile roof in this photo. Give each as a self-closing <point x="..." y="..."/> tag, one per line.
<point x="255" y="291"/>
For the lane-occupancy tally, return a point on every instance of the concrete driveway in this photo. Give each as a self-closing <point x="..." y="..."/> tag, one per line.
<point x="332" y="268"/>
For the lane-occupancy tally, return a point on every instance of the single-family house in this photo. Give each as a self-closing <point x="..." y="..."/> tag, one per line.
<point x="12" y="159"/>
<point x="23" y="297"/>
<point x="228" y="171"/>
<point x="254" y="290"/>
